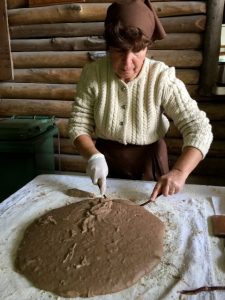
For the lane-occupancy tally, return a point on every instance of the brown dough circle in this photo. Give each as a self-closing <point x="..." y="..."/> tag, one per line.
<point x="93" y="247"/>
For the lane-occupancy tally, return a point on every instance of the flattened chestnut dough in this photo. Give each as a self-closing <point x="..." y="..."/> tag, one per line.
<point x="93" y="247"/>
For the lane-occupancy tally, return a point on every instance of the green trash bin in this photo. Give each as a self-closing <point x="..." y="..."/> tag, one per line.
<point x="26" y="150"/>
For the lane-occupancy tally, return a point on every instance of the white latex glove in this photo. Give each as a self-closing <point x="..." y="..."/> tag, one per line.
<point x="97" y="169"/>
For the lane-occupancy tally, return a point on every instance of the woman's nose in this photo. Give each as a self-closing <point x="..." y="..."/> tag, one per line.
<point x="127" y="58"/>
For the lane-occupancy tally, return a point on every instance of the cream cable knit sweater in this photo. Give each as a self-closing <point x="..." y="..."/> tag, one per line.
<point x="134" y="112"/>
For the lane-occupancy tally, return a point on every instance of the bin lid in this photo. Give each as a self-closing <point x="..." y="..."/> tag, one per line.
<point x="24" y="127"/>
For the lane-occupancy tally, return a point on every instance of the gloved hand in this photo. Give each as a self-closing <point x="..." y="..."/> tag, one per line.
<point x="97" y="169"/>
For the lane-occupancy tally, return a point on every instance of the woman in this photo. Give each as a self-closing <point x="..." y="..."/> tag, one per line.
<point x="123" y="100"/>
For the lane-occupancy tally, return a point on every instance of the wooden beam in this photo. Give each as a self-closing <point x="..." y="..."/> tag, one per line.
<point x="217" y="127"/>
<point x="211" y="48"/>
<point x="34" y="3"/>
<point x="50" y="91"/>
<point x="74" y="163"/>
<point x="72" y="75"/>
<point x="174" y="147"/>
<point x="37" y="91"/>
<point x="63" y="75"/>
<point x="210" y="166"/>
<point x="173" y="41"/>
<point x="6" y="65"/>
<point x="86" y="12"/>
<point x="11" y="107"/>
<point x="77" y="59"/>
<point x="184" y="24"/>
<point x="17" y="3"/>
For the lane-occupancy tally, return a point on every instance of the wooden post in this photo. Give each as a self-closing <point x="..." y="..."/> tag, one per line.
<point x="211" y="46"/>
<point x="6" y="69"/>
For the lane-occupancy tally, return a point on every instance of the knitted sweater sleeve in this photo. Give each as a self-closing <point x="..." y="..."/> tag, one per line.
<point x="82" y="116"/>
<point x="185" y="113"/>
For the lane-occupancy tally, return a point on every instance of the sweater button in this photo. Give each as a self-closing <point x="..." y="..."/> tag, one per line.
<point x="123" y="106"/>
<point x="123" y="88"/>
<point x="121" y="123"/>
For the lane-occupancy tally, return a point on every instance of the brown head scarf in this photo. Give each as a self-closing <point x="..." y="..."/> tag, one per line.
<point x="137" y="13"/>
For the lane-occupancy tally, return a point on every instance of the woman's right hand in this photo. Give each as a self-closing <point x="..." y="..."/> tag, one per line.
<point x="97" y="169"/>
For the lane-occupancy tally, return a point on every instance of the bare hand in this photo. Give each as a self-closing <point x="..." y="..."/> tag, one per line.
<point x="169" y="184"/>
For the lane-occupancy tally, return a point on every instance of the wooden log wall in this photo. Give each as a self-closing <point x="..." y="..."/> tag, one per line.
<point x="51" y="41"/>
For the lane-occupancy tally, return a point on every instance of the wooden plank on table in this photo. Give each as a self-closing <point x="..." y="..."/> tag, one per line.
<point x="86" y="12"/>
<point x="6" y="65"/>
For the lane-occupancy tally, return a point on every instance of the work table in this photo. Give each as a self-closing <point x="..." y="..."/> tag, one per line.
<point x="192" y="256"/>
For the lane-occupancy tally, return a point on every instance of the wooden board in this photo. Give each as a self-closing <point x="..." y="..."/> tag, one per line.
<point x="34" y="3"/>
<point x="94" y="12"/>
<point x="6" y="68"/>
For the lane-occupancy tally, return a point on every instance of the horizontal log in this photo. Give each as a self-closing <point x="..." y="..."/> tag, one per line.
<point x="188" y="76"/>
<point x="58" y="43"/>
<point x="174" y="147"/>
<point x="88" y="12"/>
<point x="74" y="12"/>
<point x="172" y="41"/>
<point x="34" y="3"/>
<point x="77" y="59"/>
<point x="184" y="24"/>
<point x="177" y="58"/>
<point x="62" y="124"/>
<point x="217" y="129"/>
<point x="50" y="91"/>
<point x="59" y="75"/>
<point x="178" y="41"/>
<point x="214" y="111"/>
<point x="50" y="59"/>
<point x="70" y="163"/>
<point x="37" y="91"/>
<point x="72" y="75"/>
<point x="65" y="145"/>
<point x="30" y="107"/>
<point x="210" y="166"/>
<point x="56" y="30"/>
<point x="17" y="3"/>
<point x="195" y="23"/>
<point x="24" y="3"/>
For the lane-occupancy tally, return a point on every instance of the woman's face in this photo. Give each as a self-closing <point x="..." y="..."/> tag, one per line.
<point x="127" y="64"/>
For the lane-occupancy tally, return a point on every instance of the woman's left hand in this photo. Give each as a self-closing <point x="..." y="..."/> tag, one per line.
<point x="169" y="184"/>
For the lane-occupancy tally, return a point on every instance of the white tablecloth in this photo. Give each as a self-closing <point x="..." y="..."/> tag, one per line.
<point x="192" y="257"/>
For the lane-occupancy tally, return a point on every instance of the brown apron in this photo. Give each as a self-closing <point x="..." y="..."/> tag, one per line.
<point x="138" y="162"/>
